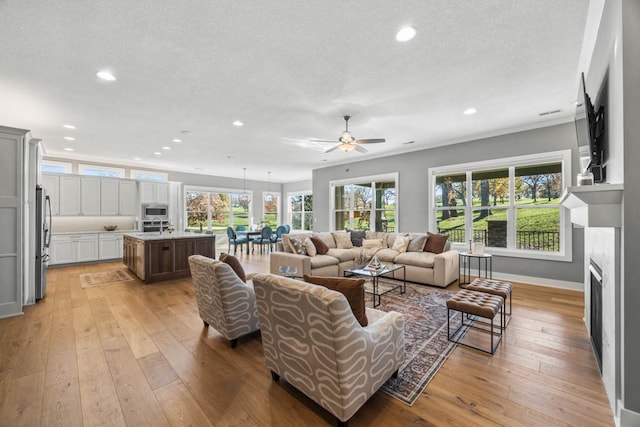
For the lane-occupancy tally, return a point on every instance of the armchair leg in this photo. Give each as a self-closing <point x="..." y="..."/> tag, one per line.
<point x="234" y="343"/>
<point x="206" y="325"/>
<point x="275" y="376"/>
<point x="395" y="374"/>
<point x="342" y="423"/>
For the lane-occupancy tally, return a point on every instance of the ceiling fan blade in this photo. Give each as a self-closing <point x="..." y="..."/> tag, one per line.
<point x="323" y="140"/>
<point x="370" y="141"/>
<point x="335" y="147"/>
<point x="360" y="148"/>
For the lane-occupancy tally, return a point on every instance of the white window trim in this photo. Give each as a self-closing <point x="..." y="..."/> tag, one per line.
<point x="290" y="212"/>
<point x="187" y="188"/>
<point x="371" y="178"/>
<point x="83" y="166"/>
<point x="566" y="235"/>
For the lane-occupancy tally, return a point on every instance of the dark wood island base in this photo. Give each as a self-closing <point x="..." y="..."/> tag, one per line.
<point x="155" y="257"/>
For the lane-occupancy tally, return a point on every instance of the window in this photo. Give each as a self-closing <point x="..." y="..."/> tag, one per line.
<point x="148" y="175"/>
<point x="96" y="170"/>
<point x="301" y="211"/>
<point x="271" y="209"/>
<point x="55" y="167"/>
<point x="509" y="205"/>
<point x="213" y="210"/>
<point x="365" y="204"/>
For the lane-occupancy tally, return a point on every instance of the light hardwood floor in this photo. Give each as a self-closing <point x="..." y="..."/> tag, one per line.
<point x="134" y="354"/>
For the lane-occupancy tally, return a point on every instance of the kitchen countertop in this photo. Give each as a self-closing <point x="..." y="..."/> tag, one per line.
<point x="63" y="233"/>
<point x="167" y="236"/>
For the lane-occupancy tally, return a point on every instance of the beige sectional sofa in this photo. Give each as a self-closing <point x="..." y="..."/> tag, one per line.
<point x="421" y="267"/>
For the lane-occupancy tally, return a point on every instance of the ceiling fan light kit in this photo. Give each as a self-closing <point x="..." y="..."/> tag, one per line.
<point x="348" y="143"/>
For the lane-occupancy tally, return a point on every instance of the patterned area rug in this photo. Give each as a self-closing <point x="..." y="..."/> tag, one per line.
<point x="426" y="345"/>
<point x="104" y="278"/>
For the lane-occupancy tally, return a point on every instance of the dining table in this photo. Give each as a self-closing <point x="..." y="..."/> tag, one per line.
<point x="249" y="235"/>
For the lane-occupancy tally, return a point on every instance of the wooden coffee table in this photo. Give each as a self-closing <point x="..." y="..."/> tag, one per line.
<point x="376" y="288"/>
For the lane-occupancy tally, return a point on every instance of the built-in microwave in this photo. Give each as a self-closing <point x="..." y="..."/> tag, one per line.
<point x="155" y="212"/>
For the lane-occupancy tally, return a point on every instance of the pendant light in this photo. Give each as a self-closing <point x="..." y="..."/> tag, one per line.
<point x="244" y="198"/>
<point x="268" y="197"/>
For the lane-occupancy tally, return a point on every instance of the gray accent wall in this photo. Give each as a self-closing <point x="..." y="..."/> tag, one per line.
<point x="413" y="192"/>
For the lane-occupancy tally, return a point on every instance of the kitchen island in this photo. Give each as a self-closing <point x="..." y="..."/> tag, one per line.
<point x="163" y="256"/>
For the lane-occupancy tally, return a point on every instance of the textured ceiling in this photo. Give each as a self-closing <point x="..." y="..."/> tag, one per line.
<point x="288" y="69"/>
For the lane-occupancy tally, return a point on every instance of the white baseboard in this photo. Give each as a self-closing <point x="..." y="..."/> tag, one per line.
<point x="543" y="281"/>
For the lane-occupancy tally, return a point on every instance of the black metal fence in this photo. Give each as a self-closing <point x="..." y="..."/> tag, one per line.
<point x="533" y="240"/>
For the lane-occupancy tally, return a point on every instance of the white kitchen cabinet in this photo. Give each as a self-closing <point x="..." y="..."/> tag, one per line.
<point x="118" y="197"/>
<point x="79" y="195"/>
<point x="110" y="245"/>
<point x="51" y="184"/>
<point x="73" y="248"/>
<point x="154" y="192"/>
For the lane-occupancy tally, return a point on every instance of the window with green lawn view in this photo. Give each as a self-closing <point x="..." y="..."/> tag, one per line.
<point x="365" y="205"/>
<point x="215" y="211"/>
<point x="301" y="211"/>
<point x="271" y="211"/>
<point x="515" y="206"/>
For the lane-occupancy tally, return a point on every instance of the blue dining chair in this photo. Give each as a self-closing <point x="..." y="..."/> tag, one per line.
<point x="263" y="239"/>
<point x="241" y="228"/>
<point x="288" y="227"/>
<point x="233" y="238"/>
<point x="277" y="236"/>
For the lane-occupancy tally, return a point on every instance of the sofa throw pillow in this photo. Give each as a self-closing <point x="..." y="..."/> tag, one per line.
<point x="235" y="265"/>
<point x="343" y="240"/>
<point x="372" y="243"/>
<point x="327" y="238"/>
<point x="321" y="247"/>
<point x="435" y="243"/>
<point x="357" y="236"/>
<point x="286" y="246"/>
<point x="296" y="246"/>
<point x="309" y="247"/>
<point x="352" y="289"/>
<point x="417" y="243"/>
<point x="401" y="243"/>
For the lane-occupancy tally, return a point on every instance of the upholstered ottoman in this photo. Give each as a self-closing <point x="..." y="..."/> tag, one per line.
<point x="477" y="304"/>
<point x="495" y="287"/>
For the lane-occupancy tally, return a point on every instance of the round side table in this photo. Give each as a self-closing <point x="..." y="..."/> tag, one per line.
<point x="484" y="264"/>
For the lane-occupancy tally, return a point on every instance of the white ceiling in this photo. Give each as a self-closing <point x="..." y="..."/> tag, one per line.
<point x="288" y="69"/>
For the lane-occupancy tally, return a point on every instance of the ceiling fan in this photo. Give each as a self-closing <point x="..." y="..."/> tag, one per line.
<point x="347" y="142"/>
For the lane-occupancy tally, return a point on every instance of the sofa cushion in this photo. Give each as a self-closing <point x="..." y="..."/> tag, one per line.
<point x="321" y="247"/>
<point x="417" y="242"/>
<point x="435" y="243"/>
<point x="352" y="289"/>
<point x="309" y="247"/>
<point x="327" y="238"/>
<point x="418" y="259"/>
<point x="378" y="235"/>
<point x="323" y="261"/>
<point x="357" y="236"/>
<point x="387" y="255"/>
<point x="235" y="265"/>
<point x="297" y="247"/>
<point x="372" y="243"/>
<point x="286" y="246"/>
<point x="401" y="243"/>
<point x="344" y="254"/>
<point x="343" y="239"/>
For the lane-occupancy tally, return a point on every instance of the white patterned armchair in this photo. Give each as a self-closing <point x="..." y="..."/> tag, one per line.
<point x="224" y="300"/>
<point x="312" y="339"/>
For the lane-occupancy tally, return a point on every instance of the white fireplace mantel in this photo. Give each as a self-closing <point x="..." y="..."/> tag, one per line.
<point x="595" y="205"/>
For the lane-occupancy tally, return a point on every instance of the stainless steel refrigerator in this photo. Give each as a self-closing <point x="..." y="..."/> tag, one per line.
<point x="42" y="240"/>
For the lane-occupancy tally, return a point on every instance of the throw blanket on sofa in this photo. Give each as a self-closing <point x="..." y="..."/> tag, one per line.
<point x="365" y="255"/>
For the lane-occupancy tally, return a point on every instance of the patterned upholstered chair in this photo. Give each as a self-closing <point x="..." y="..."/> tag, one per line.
<point x="224" y="300"/>
<point x="312" y="339"/>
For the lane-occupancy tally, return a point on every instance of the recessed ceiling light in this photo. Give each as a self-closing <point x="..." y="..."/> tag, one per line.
<point x="137" y="158"/>
<point x="176" y="140"/>
<point x="68" y="126"/>
<point x="405" y="34"/>
<point x="69" y="149"/>
<point x="238" y="123"/>
<point x="166" y="148"/>
<point x="470" y="111"/>
<point x="157" y="153"/>
<point x="69" y="138"/>
<point x="106" y="75"/>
